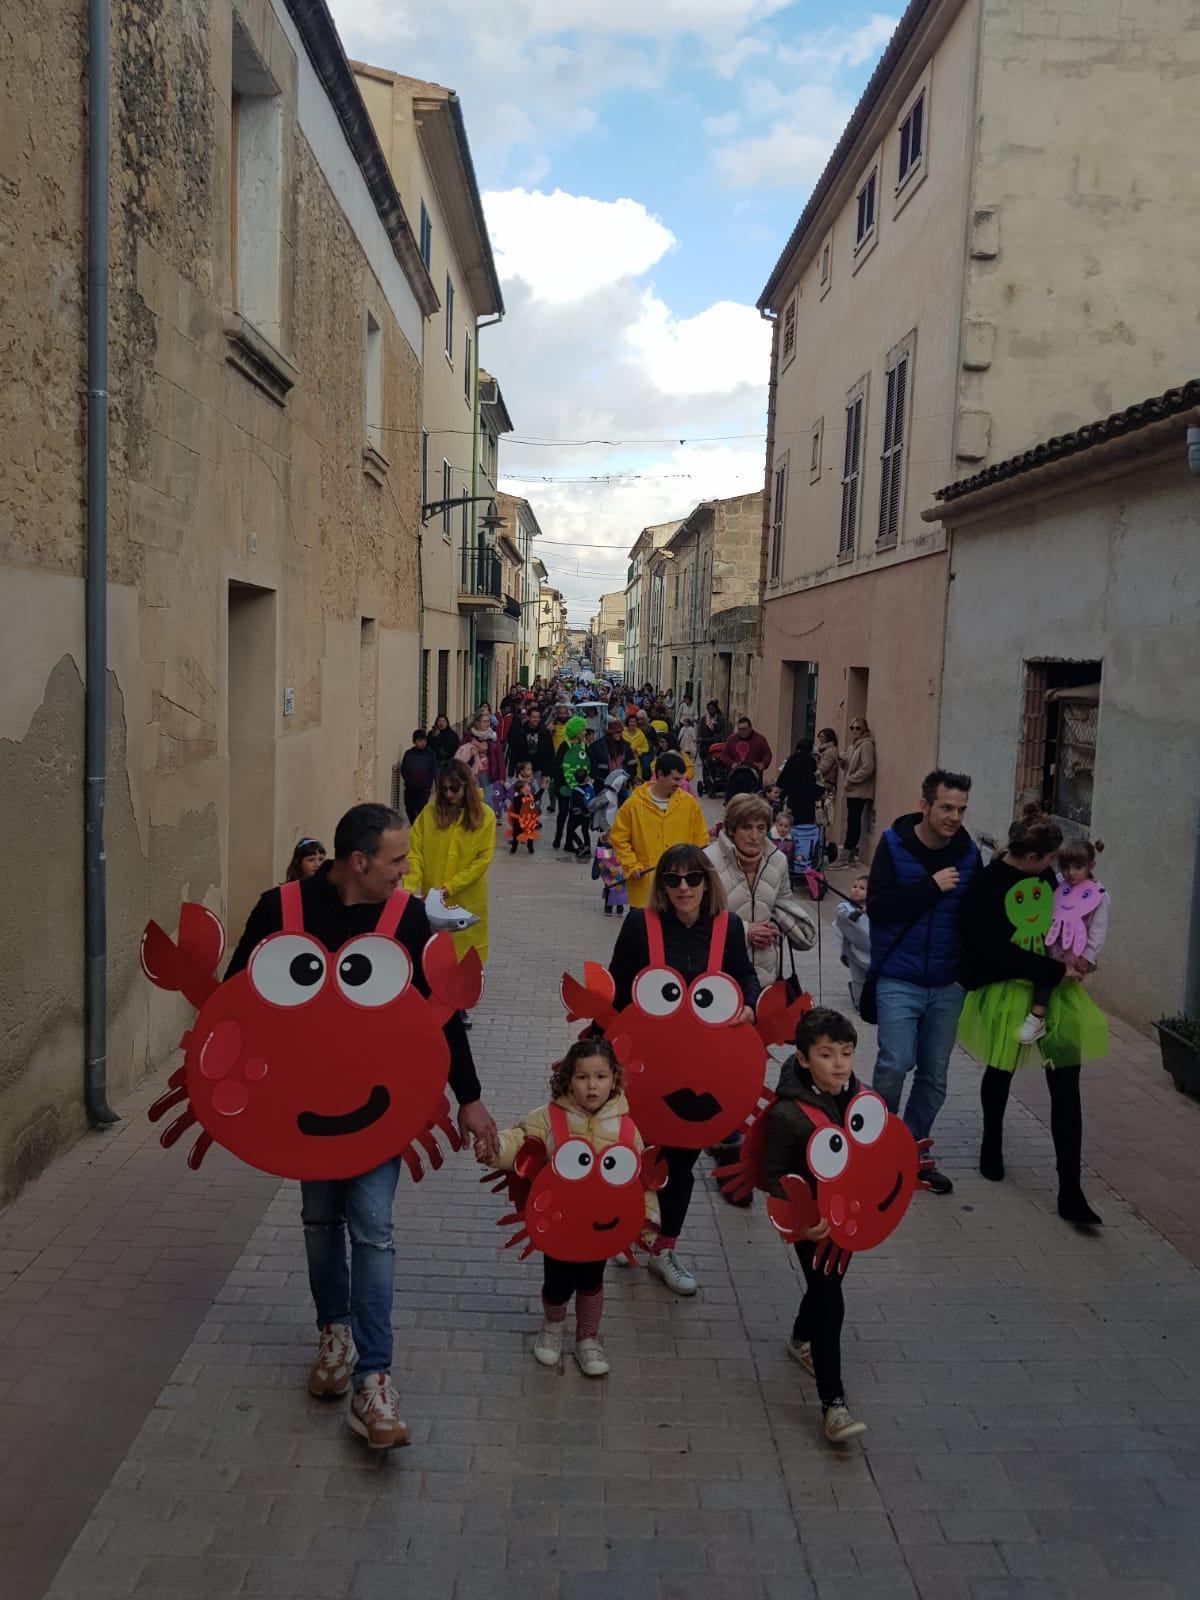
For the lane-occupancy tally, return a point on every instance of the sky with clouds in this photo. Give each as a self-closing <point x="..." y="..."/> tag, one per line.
<point x="642" y="163"/>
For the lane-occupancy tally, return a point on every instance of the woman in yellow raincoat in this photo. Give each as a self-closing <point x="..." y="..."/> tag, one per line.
<point x="451" y="845"/>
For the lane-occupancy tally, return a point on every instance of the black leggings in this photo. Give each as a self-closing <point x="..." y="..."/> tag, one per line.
<point x="674" y="1199"/>
<point x="819" y="1321"/>
<point x="854" y="821"/>
<point x="1066" y="1115"/>
<point x="562" y="1279"/>
<point x="560" y="821"/>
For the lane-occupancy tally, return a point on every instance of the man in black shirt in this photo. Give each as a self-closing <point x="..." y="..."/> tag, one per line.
<point x="530" y="741"/>
<point x="354" y="1299"/>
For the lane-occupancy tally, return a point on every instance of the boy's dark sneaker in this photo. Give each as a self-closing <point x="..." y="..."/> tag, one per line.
<point x="529" y="846"/>
<point x="937" y="1182"/>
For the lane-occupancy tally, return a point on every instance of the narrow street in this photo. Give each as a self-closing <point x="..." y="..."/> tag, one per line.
<point x="1033" y="1396"/>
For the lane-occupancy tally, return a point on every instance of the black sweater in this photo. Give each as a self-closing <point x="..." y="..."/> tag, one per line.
<point x="332" y="922"/>
<point x="989" y="954"/>
<point x="797" y="781"/>
<point x="686" y="950"/>
<point x="789" y="1128"/>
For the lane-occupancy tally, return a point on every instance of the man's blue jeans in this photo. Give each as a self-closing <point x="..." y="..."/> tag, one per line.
<point x="358" y="1291"/>
<point x="916" y="1030"/>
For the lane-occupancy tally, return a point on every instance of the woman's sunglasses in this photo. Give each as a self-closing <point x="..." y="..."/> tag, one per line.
<point x="675" y="880"/>
<point x="450" y="788"/>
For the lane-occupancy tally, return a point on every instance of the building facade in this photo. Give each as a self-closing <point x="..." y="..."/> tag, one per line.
<point x="487" y="587"/>
<point x="608" y="629"/>
<point x="519" y="530"/>
<point x="552" y="630"/>
<point x="265" y="331"/>
<point x="420" y="128"/>
<point x="639" y="650"/>
<point x="976" y="267"/>
<point x="708" y="591"/>
<point x="1081" y="693"/>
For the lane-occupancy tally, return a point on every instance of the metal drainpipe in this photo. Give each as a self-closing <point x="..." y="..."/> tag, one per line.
<point x="95" y="929"/>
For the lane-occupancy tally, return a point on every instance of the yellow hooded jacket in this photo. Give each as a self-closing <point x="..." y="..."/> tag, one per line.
<point x="601" y="1130"/>
<point x="641" y="833"/>
<point x="455" y="859"/>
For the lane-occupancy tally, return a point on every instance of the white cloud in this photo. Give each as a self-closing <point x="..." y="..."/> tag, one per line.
<point x="717" y="351"/>
<point x="565" y="247"/>
<point x="835" y="48"/>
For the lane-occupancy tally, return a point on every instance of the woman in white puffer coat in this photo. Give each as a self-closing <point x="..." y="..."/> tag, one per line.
<point x="754" y="875"/>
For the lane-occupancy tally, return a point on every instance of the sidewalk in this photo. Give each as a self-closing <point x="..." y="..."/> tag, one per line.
<point x="1033" y="1396"/>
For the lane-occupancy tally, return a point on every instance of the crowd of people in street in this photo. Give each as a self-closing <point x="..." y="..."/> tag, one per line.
<point x="940" y="947"/>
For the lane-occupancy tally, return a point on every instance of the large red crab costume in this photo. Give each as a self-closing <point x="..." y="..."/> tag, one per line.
<point x="312" y="1064"/>
<point x="579" y="1203"/>
<point x="693" y="1072"/>
<point x="865" y="1173"/>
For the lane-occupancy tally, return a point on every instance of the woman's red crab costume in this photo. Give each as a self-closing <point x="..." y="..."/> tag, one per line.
<point x="865" y="1174"/>
<point x="312" y="1064"/>
<point x="578" y="1203"/>
<point x="693" y="1073"/>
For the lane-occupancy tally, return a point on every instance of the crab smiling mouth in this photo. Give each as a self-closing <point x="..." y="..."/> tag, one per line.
<point x="692" y="1107"/>
<point x="315" y="1126"/>
<point x="603" y="1227"/>
<point x="892" y="1192"/>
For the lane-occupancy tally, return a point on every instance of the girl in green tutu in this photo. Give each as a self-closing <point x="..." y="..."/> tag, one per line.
<point x="1022" y="1006"/>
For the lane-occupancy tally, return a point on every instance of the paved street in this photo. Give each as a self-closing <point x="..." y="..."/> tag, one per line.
<point x="1033" y="1396"/>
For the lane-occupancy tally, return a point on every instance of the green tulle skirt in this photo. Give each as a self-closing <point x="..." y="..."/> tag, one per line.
<point x="992" y="1016"/>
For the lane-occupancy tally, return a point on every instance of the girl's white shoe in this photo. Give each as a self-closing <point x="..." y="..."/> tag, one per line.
<point x="547" y="1347"/>
<point x="590" y="1355"/>
<point x="1032" y="1029"/>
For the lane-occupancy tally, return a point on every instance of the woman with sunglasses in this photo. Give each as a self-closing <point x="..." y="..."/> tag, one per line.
<point x="857" y="761"/>
<point x="687" y="897"/>
<point x="450" y="848"/>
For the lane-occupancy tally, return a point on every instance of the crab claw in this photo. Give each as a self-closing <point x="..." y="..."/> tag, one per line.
<point x="454" y="985"/>
<point x="795" y="1215"/>
<point x="531" y="1158"/>
<point x="654" y="1168"/>
<point x="187" y="964"/>
<point x="590" y="999"/>
<point x="775" y="1019"/>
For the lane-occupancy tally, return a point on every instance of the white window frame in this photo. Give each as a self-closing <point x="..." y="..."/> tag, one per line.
<point x="816" y="449"/>
<point x="825" y="264"/>
<point x="788" y="323"/>
<point x="908" y="184"/>
<point x="906" y="162"/>
<point x="256" y="111"/>
<point x="866" y="240"/>
<point x="852" y="473"/>
<point x="426" y="245"/>
<point x="779" y="488"/>
<point x="893" y="458"/>
<point x="449" y="319"/>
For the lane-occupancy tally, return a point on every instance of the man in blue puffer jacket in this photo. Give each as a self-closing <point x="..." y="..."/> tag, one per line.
<point x="919" y="877"/>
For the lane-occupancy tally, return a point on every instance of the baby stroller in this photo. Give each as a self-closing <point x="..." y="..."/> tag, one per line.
<point x="809" y="856"/>
<point x="713" y="771"/>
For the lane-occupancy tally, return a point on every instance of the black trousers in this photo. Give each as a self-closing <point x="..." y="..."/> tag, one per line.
<point x="1066" y="1115"/>
<point x="560" y="821"/>
<point x="819" y="1321"/>
<point x="674" y="1199"/>
<point x="562" y="1279"/>
<point x="579" y="831"/>
<point x="854" y="820"/>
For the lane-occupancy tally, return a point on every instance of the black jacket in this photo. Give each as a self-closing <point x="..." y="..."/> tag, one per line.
<point x="789" y="1129"/>
<point x="797" y="781"/>
<point x="530" y="744"/>
<point x="444" y="744"/>
<point x="989" y="954"/>
<point x="685" y="949"/>
<point x="418" y="768"/>
<point x="332" y="922"/>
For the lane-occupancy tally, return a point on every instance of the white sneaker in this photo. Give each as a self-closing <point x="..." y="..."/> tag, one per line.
<point x="590" y="1355"/>
<point x="547" y="1347"/>
<point x="1032" y="1029"/>
<point x="336" y="1355"/>
<point x="840" y="1425"/>
<point x="667" y="1266"/>
<point x="801" y="1350"/>
<point x="375" y="1414"/>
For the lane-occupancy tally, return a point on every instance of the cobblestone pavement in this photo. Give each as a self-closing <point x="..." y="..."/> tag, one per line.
<point x="1033" y="1395"/>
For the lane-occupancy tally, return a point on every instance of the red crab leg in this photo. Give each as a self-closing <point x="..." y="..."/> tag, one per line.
<point x="177" y="1129"/>
<point x="413" y="1162"/>
<point x="165" y="1102"/>
<point x="431" y="1148"/>
<point x="497" y="1180"/>
<point x="441" y="1121"/>
<point x="199" y="1150"/>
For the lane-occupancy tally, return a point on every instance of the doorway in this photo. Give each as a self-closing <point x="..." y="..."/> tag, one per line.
<point x="250" y="721"/>
<point x="805" y="676"/>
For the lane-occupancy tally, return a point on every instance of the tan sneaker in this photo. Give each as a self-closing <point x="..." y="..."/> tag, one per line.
<point x="840" y="1425"/>
<point x="801" y="1350"/>
<point x="590" y="1355"/>
<point x="375" y="1414"/>
<point x="547" y="1347"/>
<point x="330" y="1375"/>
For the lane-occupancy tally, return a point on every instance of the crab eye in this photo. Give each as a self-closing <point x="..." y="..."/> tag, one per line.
<point x="373" y="971"/>
<point x="715" y="998"/>
<point x="618" y="1165"/>
<point x="574" y="1160"/>
<point x="287" y="969"/>
<point x="866" y="1117"/>
<point x="658" y="992"/>
<point x="828" y="1153"/>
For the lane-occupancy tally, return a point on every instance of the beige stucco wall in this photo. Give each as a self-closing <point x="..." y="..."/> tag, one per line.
<point x="212" y="484"/>
<point x="1087" y="180"/>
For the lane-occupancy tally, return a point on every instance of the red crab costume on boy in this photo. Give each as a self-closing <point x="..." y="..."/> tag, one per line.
<point x="312" y="1064"/>
<point x="693" y="1072"/>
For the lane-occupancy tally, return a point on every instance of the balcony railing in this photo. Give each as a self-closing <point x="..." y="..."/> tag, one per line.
<point x="481" y="574"/>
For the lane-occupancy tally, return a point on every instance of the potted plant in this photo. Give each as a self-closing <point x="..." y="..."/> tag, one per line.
<point x="1179" y="1041"/>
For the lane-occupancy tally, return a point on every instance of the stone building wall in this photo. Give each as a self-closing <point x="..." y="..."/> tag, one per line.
<point x="243" y="529"/>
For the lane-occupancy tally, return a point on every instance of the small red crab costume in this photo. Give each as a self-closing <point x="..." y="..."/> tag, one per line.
<point x="693" y="1072"/>
<point x="311" y="1063"/>
<point x="858" y="1175"/>
<point x="582" y="1188"/>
